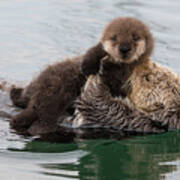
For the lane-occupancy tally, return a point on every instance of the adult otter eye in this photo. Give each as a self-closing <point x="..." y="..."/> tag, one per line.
<point x="147" y="78"/>
<point x="114" y="38"/>
<point x="136" y="37"/>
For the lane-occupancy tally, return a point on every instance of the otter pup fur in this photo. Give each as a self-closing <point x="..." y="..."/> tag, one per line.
<point x="127" y="42"/>
<point x="49" y="96"/>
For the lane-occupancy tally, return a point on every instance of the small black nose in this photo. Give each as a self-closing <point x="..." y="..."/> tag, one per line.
<point x="124" y="48"/>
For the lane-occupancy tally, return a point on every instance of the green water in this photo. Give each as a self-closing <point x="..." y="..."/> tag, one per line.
<point x="35" y="33"/>
<point x="138" y="158"/>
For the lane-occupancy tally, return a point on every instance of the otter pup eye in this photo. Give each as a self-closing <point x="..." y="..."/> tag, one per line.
<point x="136" y="37"/>
<point x="114" y="38"/>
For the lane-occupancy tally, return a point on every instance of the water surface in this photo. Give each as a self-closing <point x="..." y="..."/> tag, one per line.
<point x="35" y="33"/>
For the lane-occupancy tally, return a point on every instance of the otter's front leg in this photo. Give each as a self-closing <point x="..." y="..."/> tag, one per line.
<point x="23" y="121"/>
<point x="91" y="60"/>
<point x="17" y="98"/>
<point x="21" y="97"/>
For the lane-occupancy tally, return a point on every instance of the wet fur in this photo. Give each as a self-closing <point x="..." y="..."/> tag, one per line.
<point x="154" y="87"/>
<point x="152" y="105"/>
<point x="96" y="106"/>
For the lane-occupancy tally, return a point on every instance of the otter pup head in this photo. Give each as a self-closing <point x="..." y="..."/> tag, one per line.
<point x="127" y="40"/>
<point x="153" y="87"/>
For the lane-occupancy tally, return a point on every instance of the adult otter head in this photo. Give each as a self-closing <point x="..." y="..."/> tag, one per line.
<point x="153" y="87"/>
<point x="125" y="40"/>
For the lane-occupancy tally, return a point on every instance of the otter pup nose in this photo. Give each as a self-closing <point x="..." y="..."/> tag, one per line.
<point x="125" y="48"/>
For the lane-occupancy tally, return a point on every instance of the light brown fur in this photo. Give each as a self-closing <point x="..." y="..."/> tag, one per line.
<point x="153" y="87"/>
<point x="155" y="110"/>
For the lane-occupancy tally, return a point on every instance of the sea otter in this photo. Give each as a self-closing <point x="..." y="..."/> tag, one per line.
<point x="125" y="43"/>
<point x="152" y="105"/>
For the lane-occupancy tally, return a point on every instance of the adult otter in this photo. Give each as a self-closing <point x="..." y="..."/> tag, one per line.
<point x="127" y="42"/>
<point x="152" y="105"/>
<point x="154" y="87"/>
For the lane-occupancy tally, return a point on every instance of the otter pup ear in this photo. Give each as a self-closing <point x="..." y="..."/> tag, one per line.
<point x="91" y="60"/>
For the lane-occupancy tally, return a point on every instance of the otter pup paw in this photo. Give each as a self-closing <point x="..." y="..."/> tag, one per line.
<point x="91" y="60"/>
<point x="17" y="99"/>
<point x="22" y="121"/>
<point x="15" y="93"/>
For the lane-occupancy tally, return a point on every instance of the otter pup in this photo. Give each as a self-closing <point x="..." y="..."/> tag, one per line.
<point x="125" y="43"/>
<point x="124" y="40"/>
<point x="152" y="105"/>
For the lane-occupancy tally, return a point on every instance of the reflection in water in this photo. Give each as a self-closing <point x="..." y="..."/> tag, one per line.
<point x="149" y="157"/>
<point x="132" y="159"/>
<point x="35" y="33"/>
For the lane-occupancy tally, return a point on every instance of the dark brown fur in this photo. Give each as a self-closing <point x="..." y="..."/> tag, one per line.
<point x="49" y="96"/>
<point x="91" y="60"/>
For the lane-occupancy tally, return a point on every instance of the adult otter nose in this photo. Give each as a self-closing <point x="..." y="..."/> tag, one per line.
<point x="125" y="48"/>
